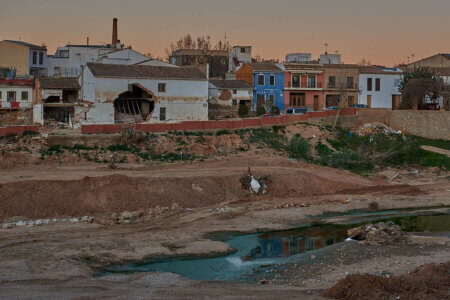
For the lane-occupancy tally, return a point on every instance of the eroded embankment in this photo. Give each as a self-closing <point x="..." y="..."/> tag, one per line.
<point x="116" y="193"/>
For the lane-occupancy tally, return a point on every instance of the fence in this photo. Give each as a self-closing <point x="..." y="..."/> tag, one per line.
<point x="216" y="125"/>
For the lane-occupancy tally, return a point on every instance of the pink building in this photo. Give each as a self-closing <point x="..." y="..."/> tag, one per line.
<point x="304" y="86"/>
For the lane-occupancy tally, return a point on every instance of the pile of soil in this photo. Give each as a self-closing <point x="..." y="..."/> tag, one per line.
<point x="426" y="282"/>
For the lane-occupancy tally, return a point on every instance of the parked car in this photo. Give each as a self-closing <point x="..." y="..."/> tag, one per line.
<point x="267" y="115"/>
<point x="297" y="111"/>
<point x="331" y="108"/>
<point x="359" y="105"/>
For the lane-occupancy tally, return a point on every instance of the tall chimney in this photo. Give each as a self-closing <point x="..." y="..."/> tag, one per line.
<point x="114" y="33"/>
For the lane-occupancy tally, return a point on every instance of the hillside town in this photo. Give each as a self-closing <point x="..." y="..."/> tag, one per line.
<point x="113" y="84"/>
<point x="215" y="173"/>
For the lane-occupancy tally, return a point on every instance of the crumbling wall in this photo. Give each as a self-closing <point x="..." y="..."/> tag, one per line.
<point x="16" y="117"/>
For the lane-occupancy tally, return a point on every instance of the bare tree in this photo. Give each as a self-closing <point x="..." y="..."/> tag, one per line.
<point x="364" y="62"/>
<point x="343" y="90"/>
<point x="200" y="43"/>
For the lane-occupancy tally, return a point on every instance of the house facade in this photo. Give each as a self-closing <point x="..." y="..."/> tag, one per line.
<point x="144" y="94"/>
<point x="238" y="56"/>
<point x="304" y="86"/>
<point x="56" y="99"/>
<point x="340" y="84"/>
<point x="378" y="87"/>
<point x="217" y="60"/>
<point x="68" y="61"/>
<point x="16" y="93"/>
<point x="267" y="80"/>
<point x="23" y="58"/>
<point x="230" y="93"/>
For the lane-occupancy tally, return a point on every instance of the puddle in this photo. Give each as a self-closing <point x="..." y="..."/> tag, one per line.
<point x="254" y="250"/>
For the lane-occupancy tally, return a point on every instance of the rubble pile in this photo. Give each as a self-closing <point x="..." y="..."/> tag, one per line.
<point x="379" y="233"/>
<point x="373" y="128"/>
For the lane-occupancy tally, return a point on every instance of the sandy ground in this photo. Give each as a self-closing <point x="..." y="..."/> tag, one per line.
<point x="59" y="260"/>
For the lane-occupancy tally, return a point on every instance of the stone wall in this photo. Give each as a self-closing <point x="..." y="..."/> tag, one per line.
<point x="16" y="117"/>
<point x="424" y="123"/>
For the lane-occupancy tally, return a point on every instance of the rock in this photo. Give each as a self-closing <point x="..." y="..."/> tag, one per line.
<point x="157" y="209"/>
<point x="40" y="222"/>
<point x="313" y="257"/>
<point x="21" y="223"/>
<point x="175" y="206"/>
<point x="74" y="220"/>
<point x="255" y="186"/>
<point x="7" y="225"/>
<point x="262" y="281"/>
<point x="114" y="216"/>
<point x="126" y="215"/>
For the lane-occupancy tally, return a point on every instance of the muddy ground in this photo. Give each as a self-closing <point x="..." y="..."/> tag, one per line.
<point x="60" y="259"/>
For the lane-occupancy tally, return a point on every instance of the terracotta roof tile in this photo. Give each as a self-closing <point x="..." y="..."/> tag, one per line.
<point x="66" y="83"/>
<point x="230" y="84"/>
<point x="145" y="72"/>
<point x="264" y="67"/>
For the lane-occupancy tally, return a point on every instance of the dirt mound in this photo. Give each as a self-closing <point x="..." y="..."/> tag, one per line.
<point x="380" y="233"/>
<point x="426" y="282"/>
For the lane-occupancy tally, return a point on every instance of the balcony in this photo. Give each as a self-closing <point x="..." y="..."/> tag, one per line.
<point x="304" y="86"/>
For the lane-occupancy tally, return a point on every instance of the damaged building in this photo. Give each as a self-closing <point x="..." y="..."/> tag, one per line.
<point x="144" y="94"/>
<point x="230" y="93"/>
<point x="56" y="99"/>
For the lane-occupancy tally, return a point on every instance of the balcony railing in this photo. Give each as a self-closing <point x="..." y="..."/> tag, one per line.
<point x="318" y="85"/>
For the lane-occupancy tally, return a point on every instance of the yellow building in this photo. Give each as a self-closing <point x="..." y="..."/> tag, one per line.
<point x="24" y="58"/>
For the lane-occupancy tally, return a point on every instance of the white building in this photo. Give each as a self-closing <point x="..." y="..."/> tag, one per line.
<point x="330" y="59"/>
<point x="298" y="57"/>
<point x="149" y="94"/>
<point x="230" y="93"/>
<point x="378" y="87"/>
<point x="156" y="63"/>
<point x="238" y="56"/>
<point x="69" y="60"/>
<point x="16" y="93"/>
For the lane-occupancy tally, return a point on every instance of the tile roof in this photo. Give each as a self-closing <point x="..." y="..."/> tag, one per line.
<point x="264" y="67"/>
<point x="375" y="70"/>
<point x="16" y="82"/>
<point x="303" y="66"/>
<point x="145" y="72"/>
<point x="230" y="84"/>
<point x="27" y="44"/>
<point x="65" y="83"/>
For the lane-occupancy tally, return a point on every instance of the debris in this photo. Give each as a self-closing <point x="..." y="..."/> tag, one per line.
<point x="380" y="233"/>
<point x="255" y="185"/>
<point x="373" y="206"/>
<point x="393" y="177"/>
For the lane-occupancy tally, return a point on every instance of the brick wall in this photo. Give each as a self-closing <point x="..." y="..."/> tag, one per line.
<point x="17" y="130"/>
<point x="324" y="117"/>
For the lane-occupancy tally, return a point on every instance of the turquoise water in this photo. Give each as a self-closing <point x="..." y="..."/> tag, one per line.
<point x="254" y="250"/>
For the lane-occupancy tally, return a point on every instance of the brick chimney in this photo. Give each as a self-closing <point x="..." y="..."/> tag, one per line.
<point x="114" y="32"/>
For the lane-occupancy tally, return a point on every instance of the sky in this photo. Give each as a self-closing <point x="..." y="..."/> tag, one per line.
<point x="385" y="32"/>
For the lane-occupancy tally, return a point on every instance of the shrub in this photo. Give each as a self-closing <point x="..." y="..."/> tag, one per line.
<point x="299" y="148"/>
<point x="275" y="110"/>
<point x="243" y="111"/>
<point x="260" y="110"/>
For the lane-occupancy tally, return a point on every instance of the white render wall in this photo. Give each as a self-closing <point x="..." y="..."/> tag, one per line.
<point x="18" y="89"/>
<point x="388" y="87"/>
<point x="185" y="100"/>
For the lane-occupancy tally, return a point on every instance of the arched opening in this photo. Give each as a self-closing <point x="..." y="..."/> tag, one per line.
<point x="134" y="105"/>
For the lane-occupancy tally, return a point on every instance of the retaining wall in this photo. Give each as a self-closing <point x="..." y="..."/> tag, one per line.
<point x="17" y="130"/>
<point x="323" y="117"/>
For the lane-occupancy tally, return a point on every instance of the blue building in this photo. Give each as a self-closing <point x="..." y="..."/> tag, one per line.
<point x="267" y="80"/>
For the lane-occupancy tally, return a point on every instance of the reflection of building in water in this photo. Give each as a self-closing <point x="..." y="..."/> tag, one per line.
<point x="312" y="239"/>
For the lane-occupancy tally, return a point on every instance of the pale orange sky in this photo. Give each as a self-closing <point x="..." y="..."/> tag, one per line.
<point x="382" y="31"/>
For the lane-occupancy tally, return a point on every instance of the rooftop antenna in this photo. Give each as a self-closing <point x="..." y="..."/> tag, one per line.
<point x="326" y="48"/>
<point x="225" y="37"/>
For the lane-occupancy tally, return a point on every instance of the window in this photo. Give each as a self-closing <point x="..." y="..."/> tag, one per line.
<point x="162" y="113"/>
<point x="24" y="96"/>
<point x="161" y="87"/>
<point x="377" y="84"/>
<point x="296" y="81"/>
<point x="350" y="82"/>
<point x="0" y="95"/>
<point x="34" y="58"/>
<point x="271" y="100"/>
<point x="234" y="92"/>
<point x="272" y="79"/>
<point x="242" y="50"/>
<point x="11" y="96"/>
<point x="311" y="81"/>
<point x="261" y="79"/>
<point x="41" y="58"/>
<point x="369" y="84"/>
<point x="332" y="81"/>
